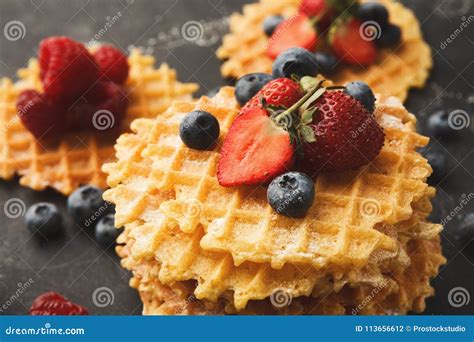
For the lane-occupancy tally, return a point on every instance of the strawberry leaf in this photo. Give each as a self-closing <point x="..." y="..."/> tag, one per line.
<point x="308" y="134"/>
<point x="307" y="116"/>
<point x="313" y="97"/>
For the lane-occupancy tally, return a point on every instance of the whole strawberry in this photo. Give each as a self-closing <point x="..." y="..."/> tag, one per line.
<point x="346" y="135"/>
<point x="281" y="92"/>
<point x="53" y="304"/>
<point x="67" y="69"/>
<point x="350" y="44"/>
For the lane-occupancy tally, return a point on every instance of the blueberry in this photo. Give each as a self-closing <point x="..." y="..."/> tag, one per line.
<point x="248" y="85"/>
<point x="44" y="218"/>
<point x="440" y="165"/>
<point x="390" y="36"/>
<point x="438" y="125"/>
<point x="291" y="194"/>
<point x="327" y="63"/>
<point x="295" y="61"/>
<point x="270" y="24"/>
<point x="361" y="92"/>
<point x="199" y="130"/>
<point x="373" y="11"/>
<point x="105" y="231"/>
<point x="86" y="206"/>
<point x="465" y="230"/>
<point x="213" y="92"/>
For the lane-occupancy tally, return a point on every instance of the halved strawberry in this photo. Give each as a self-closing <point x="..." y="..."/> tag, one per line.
<point x="297" y="31"/>
<point x="281" y="92"/>
<point x="254" y="151"/>
<point x="350" y="46"/>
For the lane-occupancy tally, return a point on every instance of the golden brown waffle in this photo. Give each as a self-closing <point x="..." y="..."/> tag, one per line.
<point x="78" y="158"/>
<point x="337" y="230"/>
<point x="394" y="73"/>
<point x="136" y="180"/>
<point x="401" y="291"/>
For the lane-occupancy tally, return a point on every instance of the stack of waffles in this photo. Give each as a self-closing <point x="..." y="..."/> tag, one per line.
<point x="194" y="247"/>
<point x="78" y="158"/>
<point x="394" y="73"/>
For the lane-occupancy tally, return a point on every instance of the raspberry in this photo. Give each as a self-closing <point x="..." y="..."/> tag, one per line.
<point x="112" y="63"/>
<point x="41" y="116"/>
<point x="102" y="108"/>
<point x="53" y="304"/>
<point x="67" y="69"/>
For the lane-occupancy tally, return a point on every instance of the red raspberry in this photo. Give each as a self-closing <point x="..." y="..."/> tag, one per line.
<point x="102" y="108"/>
<point x="113" y="64"/>
<point x="67" y="69"/>
<point x="53" y="304"/>
<point x="41" y="116"/>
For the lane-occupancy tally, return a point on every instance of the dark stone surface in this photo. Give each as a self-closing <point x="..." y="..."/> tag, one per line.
<point x="76" y="266"/>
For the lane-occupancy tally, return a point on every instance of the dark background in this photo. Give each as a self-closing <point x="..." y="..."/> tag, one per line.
<point x="75" y="265"/>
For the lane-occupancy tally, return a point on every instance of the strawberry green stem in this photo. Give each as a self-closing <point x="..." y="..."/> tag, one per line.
<point x="300" y="102"/>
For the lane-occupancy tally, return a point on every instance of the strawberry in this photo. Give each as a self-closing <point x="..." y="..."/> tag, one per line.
<point x="254" y="151"/>
<point x="350" y="46"/>
<point x="297" y="31"/>
<point x="53" y="304"/>
<point x="113" y="64"/>
<point x="318" y="9"/>
<point x="346" y="135"/>
<point x="281" y="92"/>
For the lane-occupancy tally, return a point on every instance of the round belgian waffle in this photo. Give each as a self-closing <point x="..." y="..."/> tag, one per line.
<point x="155" y="173"/>
<point x="395" y="72"/>
<point x="78" y="157"/>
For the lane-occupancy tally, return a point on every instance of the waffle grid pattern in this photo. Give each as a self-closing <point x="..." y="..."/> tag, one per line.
<point x="77" y="159"/>
<point x="244" y="49"/>
<point x="139" y="198"/>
